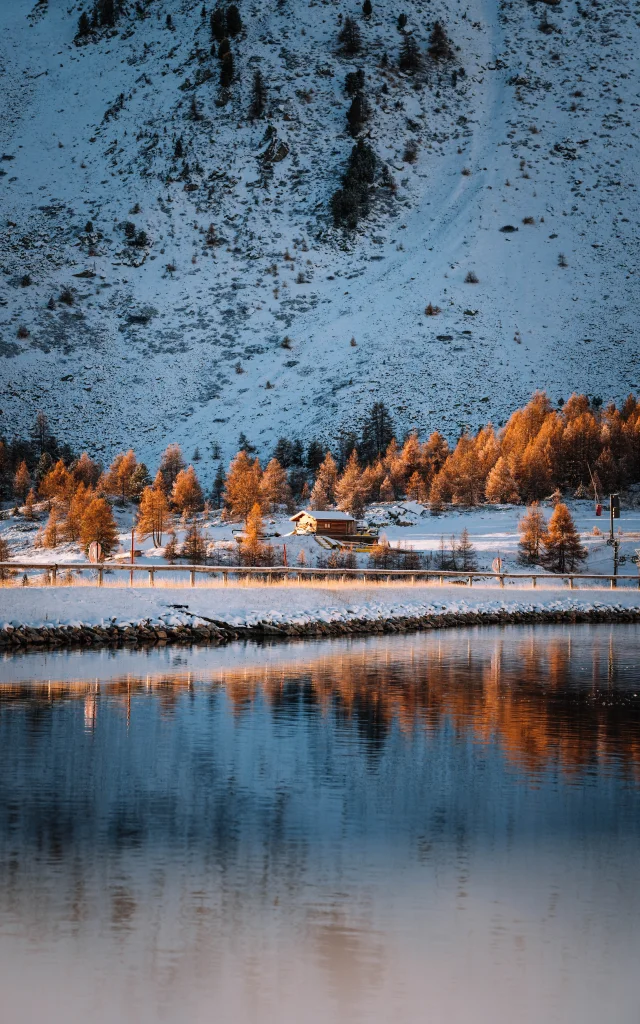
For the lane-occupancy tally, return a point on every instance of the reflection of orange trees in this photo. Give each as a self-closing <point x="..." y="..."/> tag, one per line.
<point x="119" y="691"/>
<point x="529" y="698"/>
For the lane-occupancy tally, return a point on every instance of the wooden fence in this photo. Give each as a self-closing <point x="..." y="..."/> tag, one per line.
<point x="281" y="574"/>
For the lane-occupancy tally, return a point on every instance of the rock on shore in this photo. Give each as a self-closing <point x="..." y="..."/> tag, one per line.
<point x="148" y="633"/>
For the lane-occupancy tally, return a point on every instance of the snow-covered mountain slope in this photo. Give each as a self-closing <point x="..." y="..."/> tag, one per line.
<point x="181" y="339"/>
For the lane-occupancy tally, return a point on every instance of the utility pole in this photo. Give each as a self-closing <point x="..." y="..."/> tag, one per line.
<point x="614" y="513"/>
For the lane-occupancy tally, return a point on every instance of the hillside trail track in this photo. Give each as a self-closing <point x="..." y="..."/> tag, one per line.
<point x="438" y="225"/>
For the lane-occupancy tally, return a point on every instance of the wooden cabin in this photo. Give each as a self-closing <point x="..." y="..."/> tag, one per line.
<point x="326" y="524"/>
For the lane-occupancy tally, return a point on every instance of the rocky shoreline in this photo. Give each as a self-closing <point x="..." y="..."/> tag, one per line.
<point x="213" y="632"/>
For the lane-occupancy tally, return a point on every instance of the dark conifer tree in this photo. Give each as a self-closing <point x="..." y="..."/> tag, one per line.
<point x="362" y="163"/>
<point x="367" y="9"/>
<point x="409" y="55"/>
<point x="467" y="553"/>
<point x="234" y="21"/>
<point x="218" y="24"/>
<point x="297" y="452"/>
<point x="258" y="95"/>
<point x="377" y="433"/>
<point x="194" y="112"/>
<point x="226" y="71"/>
<point x="45" y="463"/>
<point x="315" y="456"/>
<point x="439" y="45"/>
<point x="283" y="452"/>
<point x="107" y="12"/>
<point x="224" y="47"/>
<point x="347" y="445"/>
<point x="218" y="486"/>
<point x="244" y="445"/>
<point x="84" y="25"/>
<point x="354" y="82"/>
<point x="194" y="548"/>
<point x="357" y="113"/>
<point x="350" y="37"/>
<point x="296" y="481"/>
<point x="351" y="202"/>
<point x="42" y="439"/>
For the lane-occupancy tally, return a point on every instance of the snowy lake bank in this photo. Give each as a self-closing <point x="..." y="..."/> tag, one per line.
<point x="112" y="615"/>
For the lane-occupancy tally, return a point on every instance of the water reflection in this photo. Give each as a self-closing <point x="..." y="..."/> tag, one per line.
<point x="567" y="697"/>
<point x="433" y="827"/>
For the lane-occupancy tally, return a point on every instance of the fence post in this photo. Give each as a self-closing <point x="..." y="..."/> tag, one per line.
<point x="471" y="581"/>
<point x="130" y="577"/>
<point x="502" y="581"/>
<point x="54" y="574"/>
<point x="571" y="583"/>
<point x="534" y="582"/>
<point x="192" y="577"/>
<point x="151" y="577"/>
<point x="225" y="577"/>
<point x="612" y="583"/>
<point x="413" y="580"/>
<point x="442" y="581"/>
<point x="100" y="572"/>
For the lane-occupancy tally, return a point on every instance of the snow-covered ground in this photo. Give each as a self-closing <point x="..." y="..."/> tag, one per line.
<point x="493" y="531"/>
<point x="542" y="127"/>
<point x="280" y="605"/>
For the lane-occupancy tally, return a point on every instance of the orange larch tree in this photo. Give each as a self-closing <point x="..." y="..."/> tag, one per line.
<point x="153" y="515"/>
<point x="532" y="529"/>
<point x="58" y="483"/>
<point x="171" y="463"/>
<point x="119" y="479"/>
<point x="323" y="494"/>
<point x="562" y="550"/>
<point x="21" y="481"/>
<point x="186" y="494"/>
<point x="242" y="488"/>
<point x="78" y="505"/>
<point x="274" y="488"/>
<point x="99" y="525"/>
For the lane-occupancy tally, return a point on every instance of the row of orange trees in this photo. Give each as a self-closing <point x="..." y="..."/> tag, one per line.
<point x="540" y="450"/>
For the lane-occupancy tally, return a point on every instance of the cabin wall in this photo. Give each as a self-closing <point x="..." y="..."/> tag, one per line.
<point x="330" y="528"/>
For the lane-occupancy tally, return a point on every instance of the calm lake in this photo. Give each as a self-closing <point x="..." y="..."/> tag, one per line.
<point x="439" y="828"/>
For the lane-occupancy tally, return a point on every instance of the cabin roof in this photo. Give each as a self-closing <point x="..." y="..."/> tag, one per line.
<point x="330" y="515"/>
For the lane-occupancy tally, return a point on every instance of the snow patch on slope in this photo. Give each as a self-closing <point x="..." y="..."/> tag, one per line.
<point x="543" y="123"/>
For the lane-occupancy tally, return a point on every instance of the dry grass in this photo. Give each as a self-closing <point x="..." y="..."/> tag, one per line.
<point x="206" y="582"/>
<point x="216" y="583"/>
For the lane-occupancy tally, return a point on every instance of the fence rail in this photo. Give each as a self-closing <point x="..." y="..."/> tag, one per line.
<point x="282" y="573"/>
